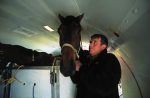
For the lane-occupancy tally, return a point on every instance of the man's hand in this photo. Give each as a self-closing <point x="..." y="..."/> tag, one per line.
<point x="78" y="65"/>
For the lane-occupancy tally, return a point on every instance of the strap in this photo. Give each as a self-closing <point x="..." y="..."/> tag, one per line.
<point x="69" y="45"/>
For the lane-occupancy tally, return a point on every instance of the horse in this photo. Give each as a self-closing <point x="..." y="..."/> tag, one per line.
<point x="69" y="40"/>
<point x="23" y="56"/>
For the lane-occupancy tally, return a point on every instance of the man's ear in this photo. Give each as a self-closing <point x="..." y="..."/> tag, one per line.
<point x="104" y="46"/>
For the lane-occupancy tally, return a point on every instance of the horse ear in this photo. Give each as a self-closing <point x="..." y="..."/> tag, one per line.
<point x="61" y="18"/>
<point x="79" y="18"/>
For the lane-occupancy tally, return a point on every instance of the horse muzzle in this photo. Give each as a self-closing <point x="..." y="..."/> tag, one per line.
<point x="67" y="68"/>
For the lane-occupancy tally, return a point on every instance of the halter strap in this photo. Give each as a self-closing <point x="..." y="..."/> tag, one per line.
<point x="75" y="50"/>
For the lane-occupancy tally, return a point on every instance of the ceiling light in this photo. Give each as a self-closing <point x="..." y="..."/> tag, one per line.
<point x="48" y="28"/>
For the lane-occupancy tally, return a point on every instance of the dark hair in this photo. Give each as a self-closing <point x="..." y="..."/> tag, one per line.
<point x="104" y="39"/>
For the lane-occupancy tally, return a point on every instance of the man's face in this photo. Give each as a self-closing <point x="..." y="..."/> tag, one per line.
<point x="96" y="46"/>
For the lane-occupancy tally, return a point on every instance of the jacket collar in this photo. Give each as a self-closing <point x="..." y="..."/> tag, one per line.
<point x="100" y="55"/>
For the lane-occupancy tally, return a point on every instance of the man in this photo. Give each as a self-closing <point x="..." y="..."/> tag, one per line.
<point x="97" y="72"/>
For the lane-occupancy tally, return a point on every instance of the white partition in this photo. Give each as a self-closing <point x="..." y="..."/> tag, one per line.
<point x="36" y="84"/>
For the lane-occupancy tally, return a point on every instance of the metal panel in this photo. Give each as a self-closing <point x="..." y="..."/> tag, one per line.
<point x="36" y="84"/>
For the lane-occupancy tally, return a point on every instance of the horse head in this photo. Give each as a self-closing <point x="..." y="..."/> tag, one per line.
<point x="69" y="39"/>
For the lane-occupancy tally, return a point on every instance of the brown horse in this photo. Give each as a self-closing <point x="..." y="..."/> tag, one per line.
<point x="23" y="56"/>
<point x="70" y="38"/>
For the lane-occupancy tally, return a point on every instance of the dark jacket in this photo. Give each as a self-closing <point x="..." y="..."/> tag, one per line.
<point x="99" y="77"/>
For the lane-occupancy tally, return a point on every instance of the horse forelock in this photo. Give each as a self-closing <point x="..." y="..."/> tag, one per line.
<point x="69" y="31"/>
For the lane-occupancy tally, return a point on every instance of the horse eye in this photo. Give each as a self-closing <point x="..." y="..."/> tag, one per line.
<point x="60" y="30"/>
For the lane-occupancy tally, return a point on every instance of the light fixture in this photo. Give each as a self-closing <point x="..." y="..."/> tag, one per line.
<point x="48" y="28"/>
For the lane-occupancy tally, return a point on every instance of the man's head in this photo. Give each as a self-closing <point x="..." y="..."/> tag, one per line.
<point x="98" y="43"/>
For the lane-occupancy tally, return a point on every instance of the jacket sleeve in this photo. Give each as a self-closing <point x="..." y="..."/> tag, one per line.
<point x="75" y="77"/>
<point x="83" y="57"/>
<point x="103" y="78"/>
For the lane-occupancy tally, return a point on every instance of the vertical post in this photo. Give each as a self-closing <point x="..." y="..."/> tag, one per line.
<point x="54" y="80"/>
<point x="8" y="72"/>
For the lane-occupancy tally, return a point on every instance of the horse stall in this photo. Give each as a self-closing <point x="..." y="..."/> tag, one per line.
<point x="37" y="82"/>
<point x="25" y="73"/>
